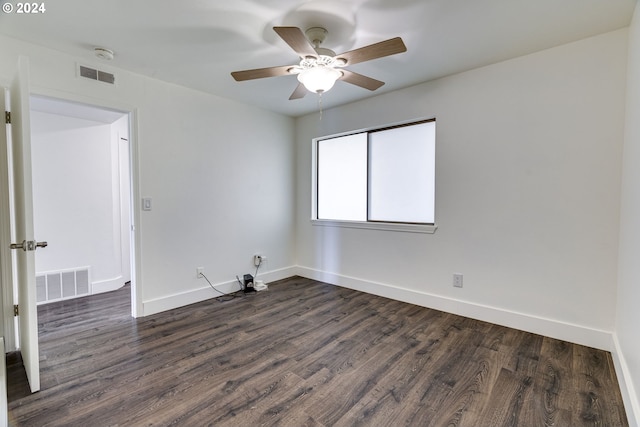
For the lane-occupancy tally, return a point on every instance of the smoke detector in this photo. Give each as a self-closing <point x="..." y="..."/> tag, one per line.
<point x="103" y="53"/>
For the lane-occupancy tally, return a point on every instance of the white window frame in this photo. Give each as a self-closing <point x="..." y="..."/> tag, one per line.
<point x="373" y="225"/>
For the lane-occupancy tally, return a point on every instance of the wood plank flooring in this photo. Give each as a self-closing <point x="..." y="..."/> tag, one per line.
<point x="304" y="353"/>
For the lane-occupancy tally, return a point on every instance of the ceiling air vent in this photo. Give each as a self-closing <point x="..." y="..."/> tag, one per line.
<point x="93" y="74"/>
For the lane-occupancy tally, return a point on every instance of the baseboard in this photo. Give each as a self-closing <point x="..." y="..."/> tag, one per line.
<point x="630" y="397"/>
<point x="205" y="292"/>
<point x="107" y="285"/>
<point x="538" y="325"/>
<point x="548" y="327"/>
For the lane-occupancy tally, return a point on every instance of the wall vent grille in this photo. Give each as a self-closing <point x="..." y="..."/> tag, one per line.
<point x="64" y="284"/>
<point x="93" y="74"/>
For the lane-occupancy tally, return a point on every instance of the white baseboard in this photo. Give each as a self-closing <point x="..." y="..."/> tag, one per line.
<point x="630" y="397"/>
<point x="548" y="327"/>
<point x="107" y="285"/>
<point x="205" y="292"/>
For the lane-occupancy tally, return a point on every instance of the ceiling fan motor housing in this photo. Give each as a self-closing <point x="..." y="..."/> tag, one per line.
<point x="316" y="35"/>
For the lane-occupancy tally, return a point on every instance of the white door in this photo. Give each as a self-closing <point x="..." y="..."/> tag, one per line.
<point x="25" y="244"/>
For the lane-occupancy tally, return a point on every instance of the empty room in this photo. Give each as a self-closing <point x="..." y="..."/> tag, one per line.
<point x="338" y="212"/>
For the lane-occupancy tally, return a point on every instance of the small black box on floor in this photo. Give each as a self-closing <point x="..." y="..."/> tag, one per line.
<point x="248" y="283"/>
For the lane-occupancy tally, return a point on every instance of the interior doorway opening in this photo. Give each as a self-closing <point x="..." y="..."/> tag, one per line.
<point x="81" y="197"/>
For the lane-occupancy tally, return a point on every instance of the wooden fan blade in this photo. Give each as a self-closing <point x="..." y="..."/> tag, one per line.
<point x="374" y="51"/>
<point x="360" y="80"/>
<point x="260" y="73"/>
<point x="300" y="92"/>
<point x="295" y="38"/>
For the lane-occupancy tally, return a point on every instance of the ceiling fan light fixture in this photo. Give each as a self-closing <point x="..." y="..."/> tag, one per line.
<point x="319" y="68"/>
<point x="319" y="79"/>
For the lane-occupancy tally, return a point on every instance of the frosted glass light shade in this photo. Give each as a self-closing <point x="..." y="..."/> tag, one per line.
<point x="319" y="78"/>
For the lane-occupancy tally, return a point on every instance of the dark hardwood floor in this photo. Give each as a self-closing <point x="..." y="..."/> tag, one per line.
<point x="304" y="353"/>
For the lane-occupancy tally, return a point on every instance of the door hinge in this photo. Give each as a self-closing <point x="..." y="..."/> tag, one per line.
<point x="16" y="312"/>
<point x="7" y="117"/>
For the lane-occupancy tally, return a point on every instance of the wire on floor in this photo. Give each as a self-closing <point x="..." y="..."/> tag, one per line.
<point x="229" y="296"/>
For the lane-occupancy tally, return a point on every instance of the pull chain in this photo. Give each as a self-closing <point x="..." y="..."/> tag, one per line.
<point x="320" y="104"/>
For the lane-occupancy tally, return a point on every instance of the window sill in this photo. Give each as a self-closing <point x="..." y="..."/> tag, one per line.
<point x="386" y="226"/>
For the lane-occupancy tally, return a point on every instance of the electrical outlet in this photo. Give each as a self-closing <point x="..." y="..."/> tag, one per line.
<point x="199" y="272"/>
<point x="258" y="260"/>
<point x="457" y="280"/>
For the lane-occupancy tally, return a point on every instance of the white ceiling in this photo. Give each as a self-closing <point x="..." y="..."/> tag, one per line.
<point x="197" y="43"/>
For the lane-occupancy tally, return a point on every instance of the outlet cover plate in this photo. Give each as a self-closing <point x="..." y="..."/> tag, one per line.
<point x="457" y="280"/>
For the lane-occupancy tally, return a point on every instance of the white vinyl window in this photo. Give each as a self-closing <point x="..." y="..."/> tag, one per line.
<point x="378" y="178"/>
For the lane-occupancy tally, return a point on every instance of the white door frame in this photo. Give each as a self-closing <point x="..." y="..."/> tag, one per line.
<point x="7" y="266"/>
<point x="136" y="289"/>
<point x="136" y="284"/>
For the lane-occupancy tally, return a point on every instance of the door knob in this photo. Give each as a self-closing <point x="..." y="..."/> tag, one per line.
<point x="29" y="245"/>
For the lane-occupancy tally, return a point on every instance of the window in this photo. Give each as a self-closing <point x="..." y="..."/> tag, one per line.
<point x="378" y="178"/>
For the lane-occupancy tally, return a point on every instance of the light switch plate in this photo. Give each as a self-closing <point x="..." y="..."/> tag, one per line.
<point x="146" y="204"/>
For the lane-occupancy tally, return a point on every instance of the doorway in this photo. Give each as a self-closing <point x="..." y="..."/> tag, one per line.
<point x="62" y="117"/>
<point x="81" y="197"/>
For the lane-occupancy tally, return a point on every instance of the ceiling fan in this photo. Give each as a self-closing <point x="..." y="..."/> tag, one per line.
<point x="319" y="68"/>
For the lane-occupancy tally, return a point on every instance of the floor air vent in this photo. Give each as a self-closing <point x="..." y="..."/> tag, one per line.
<point x="64" y="284"/>
<point x="93" y="74"/>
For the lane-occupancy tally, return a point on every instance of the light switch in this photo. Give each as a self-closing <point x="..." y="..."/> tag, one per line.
<point x="146" y="204"/>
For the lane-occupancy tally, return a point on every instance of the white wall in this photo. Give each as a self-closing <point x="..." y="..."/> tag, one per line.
<point x="628" y="315"/>
<point x="220" y="174"/>
<point x="77" y="197"/>
<point x="528" y="158"/>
